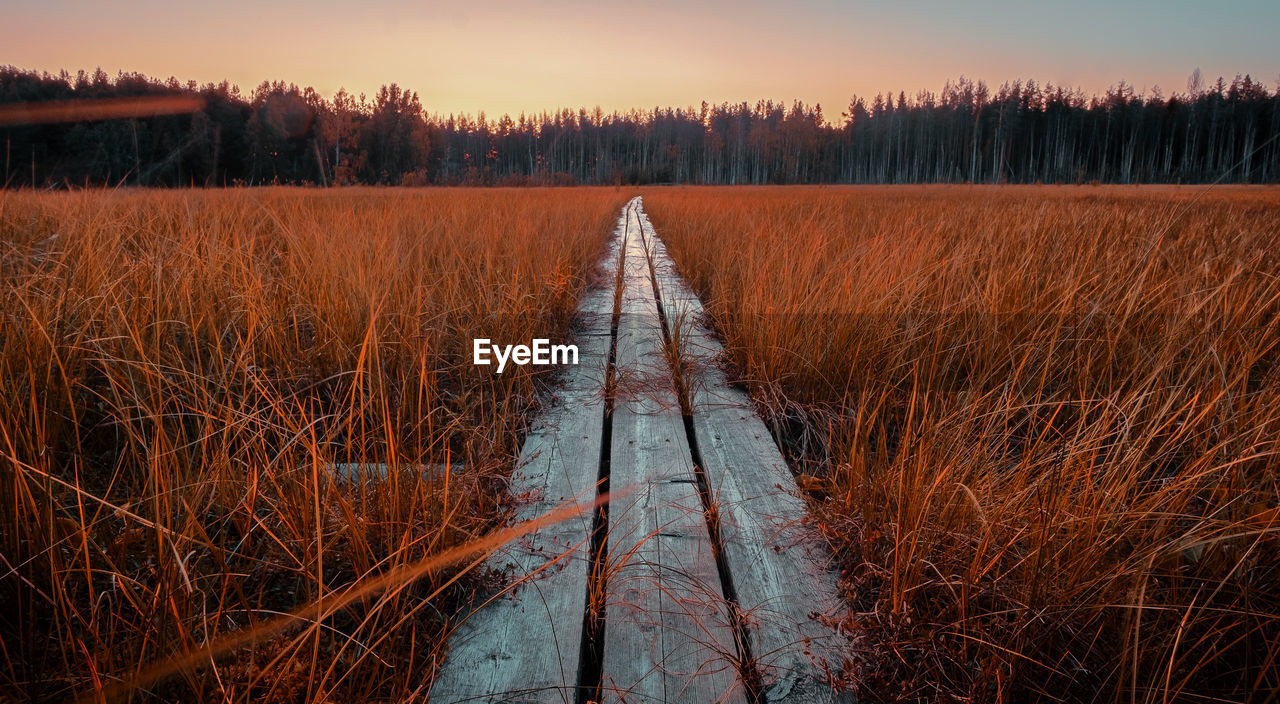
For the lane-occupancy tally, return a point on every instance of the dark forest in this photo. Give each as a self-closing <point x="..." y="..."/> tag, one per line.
<point x="1022" y="132"/>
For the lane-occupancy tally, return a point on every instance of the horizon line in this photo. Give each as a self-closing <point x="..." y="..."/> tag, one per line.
<point x="236" y="89"/>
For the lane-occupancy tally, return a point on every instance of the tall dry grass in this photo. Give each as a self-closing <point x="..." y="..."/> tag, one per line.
<point x="180" y="372"/>
<point x="1038" y="425"/>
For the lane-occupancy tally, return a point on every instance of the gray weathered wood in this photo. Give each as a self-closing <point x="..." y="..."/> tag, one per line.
<point x="523" y="645"/>
<point x="782" y="581"/>
<point x="594" y="315"/>
<point x="668" y="636"/>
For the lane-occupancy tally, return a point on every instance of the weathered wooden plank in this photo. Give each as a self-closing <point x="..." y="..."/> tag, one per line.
<point x="524" y="644"/>
<point x="594" y="315"/>
<point x="784" y="586"/>
<point x="668" y="636"/>
<point x="668" y="631"/>
<point x="779" y="572"/>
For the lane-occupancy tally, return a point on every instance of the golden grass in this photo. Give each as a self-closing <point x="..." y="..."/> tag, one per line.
<point x="179" y="371"/>
<point x="1038" y="425"/>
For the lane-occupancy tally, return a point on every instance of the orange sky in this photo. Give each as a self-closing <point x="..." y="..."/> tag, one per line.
<point x="512" y="57"/>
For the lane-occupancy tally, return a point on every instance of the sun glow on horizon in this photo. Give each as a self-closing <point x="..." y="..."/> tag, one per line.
<point x="512" y="58"/>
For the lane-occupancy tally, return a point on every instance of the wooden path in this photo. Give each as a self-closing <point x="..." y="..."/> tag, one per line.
<point x="698" y="581"/>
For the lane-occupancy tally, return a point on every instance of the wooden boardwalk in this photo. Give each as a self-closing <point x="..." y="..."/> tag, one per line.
<point x="654" y="598"/>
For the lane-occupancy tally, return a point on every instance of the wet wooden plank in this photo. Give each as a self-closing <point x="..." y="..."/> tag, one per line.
<point x="524" y="644"/>
<point x="781" y="575"/>
<point x="667" y="632"/>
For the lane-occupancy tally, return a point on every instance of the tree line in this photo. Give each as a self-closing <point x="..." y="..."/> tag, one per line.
<point x="1021" y="132"/>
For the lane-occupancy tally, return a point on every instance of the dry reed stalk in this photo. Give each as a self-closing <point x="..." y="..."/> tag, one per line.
<point x="180" y="372"/>
<point x="1039" y="425"/>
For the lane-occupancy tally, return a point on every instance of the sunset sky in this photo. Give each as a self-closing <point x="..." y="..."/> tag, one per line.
<point x="529" y="56"/>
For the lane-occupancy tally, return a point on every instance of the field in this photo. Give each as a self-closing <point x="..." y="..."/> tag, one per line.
<point x="1037" y="425"/>
<point x="198" y="391"/>
<point x="244" y="454"/>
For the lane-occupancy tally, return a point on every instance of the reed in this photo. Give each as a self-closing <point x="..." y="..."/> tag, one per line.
<point x="222" y="406"/>
<point x="1037" y="425"/>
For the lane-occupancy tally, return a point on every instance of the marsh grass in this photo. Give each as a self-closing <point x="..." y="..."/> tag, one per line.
<point x="1037" y="425"/>
<point x="181" y="371"/>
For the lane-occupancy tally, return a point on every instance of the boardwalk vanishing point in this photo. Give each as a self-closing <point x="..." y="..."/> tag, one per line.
<point x="698" y="581"/>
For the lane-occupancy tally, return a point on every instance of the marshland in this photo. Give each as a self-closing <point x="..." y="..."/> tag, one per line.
<point x="1035" y="426"/>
